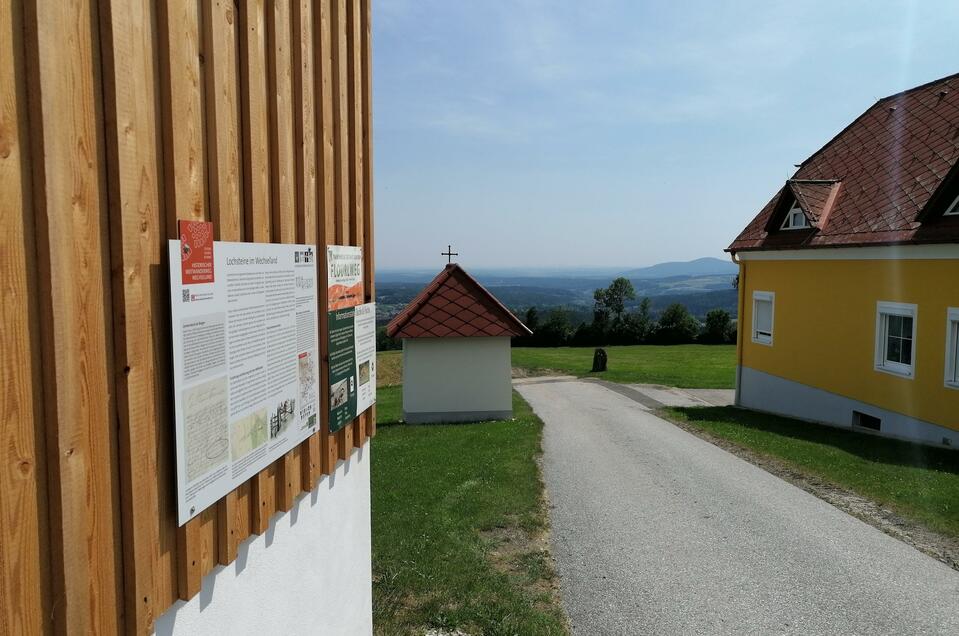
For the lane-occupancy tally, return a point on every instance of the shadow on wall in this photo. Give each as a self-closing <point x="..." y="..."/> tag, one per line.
<point x="868" y="447"/>
<point x="233" y="585"/>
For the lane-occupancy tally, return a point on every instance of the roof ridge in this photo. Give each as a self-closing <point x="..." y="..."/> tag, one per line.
<point x="869" y="110"/>
<point x="918" y="88"/>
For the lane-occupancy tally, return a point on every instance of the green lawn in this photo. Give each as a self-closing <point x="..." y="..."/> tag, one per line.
<point x="389" y="368"/>
<point x="917" y="482"/>
<point x="458" y="521"/>
<point x="685" y="366"/>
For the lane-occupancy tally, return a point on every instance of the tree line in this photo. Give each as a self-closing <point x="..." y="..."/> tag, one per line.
<point x="612" y="324"/>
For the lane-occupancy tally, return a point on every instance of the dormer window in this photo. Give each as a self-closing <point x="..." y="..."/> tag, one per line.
<point x="952" y="210"/>
<point x="795" y="218"/>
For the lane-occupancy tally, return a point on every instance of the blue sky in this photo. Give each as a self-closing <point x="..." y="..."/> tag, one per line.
<point x="607" y="133"/>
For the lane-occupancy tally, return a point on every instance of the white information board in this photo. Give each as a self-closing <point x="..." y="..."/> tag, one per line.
<point x="245" y="362"/>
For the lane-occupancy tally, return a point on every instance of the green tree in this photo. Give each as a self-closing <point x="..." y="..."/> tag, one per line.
<point x="532" y="319"/>
<point x="385" y="343"/>
<point x="632" y="327"/>
<point x="556" y="331"/>
<point x="608" y="311"/>
<point x="612" y="299"/>
<point x="718" y="327"/>
<point x="676" y="325"/>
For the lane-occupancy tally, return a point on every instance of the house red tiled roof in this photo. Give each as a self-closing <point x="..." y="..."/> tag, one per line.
<point x="815" y="197"/>
<point x="455" y="305"/>
<point x="891" y="174"/>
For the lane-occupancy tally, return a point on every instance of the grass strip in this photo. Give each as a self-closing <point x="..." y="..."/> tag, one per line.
<point x="459" y="525"/>
<point x="684" y="366"/>
<point x="918" y="482"/>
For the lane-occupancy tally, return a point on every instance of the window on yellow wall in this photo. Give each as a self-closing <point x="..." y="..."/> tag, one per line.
<point x="896" y="338"/>
<point x="763" y="313"/>
<point x="952" y="347"/>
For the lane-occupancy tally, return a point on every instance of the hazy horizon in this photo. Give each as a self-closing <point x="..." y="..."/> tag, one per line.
<point x="612" y="133"/>
<point x="544" y="268"/>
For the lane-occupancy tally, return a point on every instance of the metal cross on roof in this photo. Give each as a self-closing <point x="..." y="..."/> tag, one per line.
<point x="449" y="253"/>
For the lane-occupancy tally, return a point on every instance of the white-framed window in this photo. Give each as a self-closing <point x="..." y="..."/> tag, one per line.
<point x="896" y="338"/>
<point x="795" y="218"/>
<point x="763" y="313"/>
<point x="952" y="347"/>
<point x="953" y="210"/>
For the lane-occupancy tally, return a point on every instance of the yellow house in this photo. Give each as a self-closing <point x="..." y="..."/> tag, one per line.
<point x="849" y="277"/>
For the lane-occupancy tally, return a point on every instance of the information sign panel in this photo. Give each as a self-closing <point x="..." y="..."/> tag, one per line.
<point x="245" y="360"/>
<point x="352" y="351"/>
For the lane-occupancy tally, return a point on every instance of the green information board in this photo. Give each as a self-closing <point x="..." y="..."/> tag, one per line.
<point x="342" y="368"/>
<point x="352" y="351"/>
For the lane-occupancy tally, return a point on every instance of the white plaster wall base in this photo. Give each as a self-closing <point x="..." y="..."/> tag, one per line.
<point x="762" y="391"/>
<point x="310" y="573"/>
<point x="455" y="379"/>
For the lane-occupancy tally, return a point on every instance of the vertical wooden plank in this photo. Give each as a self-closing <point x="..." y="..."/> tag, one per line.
<point x="326" y="197"/>
<point x="323" y="70"/>
<point x="354" y="39"/>
<point x="304" y="97"/>
<point x="254" y="93"/>
<point x="185" y="181"/>
<point x="185" y="168"/>
<point x="282" y="160"/>
<point x="283" y="181"/>
<point x="341" y="120"/>
<point x="128" y="31"/>
<point x="312" y="462"/>
<point x="220" y="26"/>
<point x="292" y="472"/>
<point x="24" y="557"/>
<point x="304" y="121"/>
<point x="255" y="115"/>
<point x="223" y="118"/>
<point x="70" y="203"/>
<point x="369" y="272"/>
<point x="341" y="156"/>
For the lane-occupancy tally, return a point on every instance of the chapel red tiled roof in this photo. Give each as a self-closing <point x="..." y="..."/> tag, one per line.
<point x="891" y="173"/>
<point x="455" y="305"/>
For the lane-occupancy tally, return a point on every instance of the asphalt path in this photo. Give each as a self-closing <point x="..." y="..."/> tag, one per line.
<point x="656" y="531"/>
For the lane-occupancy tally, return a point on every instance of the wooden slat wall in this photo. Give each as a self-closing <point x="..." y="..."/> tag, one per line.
<point x="117" y="118"/>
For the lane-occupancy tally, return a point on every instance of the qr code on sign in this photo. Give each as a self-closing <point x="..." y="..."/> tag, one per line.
<point x="186" y="295"/>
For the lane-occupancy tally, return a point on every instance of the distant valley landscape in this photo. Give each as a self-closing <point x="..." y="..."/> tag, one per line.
<point x="700" y="285"/>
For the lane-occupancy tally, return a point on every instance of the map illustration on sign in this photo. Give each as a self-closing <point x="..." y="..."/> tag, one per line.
<point x="245" y="355"/>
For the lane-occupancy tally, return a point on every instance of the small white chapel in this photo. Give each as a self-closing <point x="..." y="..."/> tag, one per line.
<point x="456" y="351"/>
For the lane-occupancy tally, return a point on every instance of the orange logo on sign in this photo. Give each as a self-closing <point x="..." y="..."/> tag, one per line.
<point x="196" y="252"/>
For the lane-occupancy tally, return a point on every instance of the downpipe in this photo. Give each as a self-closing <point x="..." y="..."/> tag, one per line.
<point x="739" y="326"/>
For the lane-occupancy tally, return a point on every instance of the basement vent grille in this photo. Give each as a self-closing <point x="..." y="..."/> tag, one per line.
<point x="866" y="421"/>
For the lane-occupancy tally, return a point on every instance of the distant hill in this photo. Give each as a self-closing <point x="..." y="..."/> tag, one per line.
<point x="701" y="285"/>
<point x="707" y="266"/>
